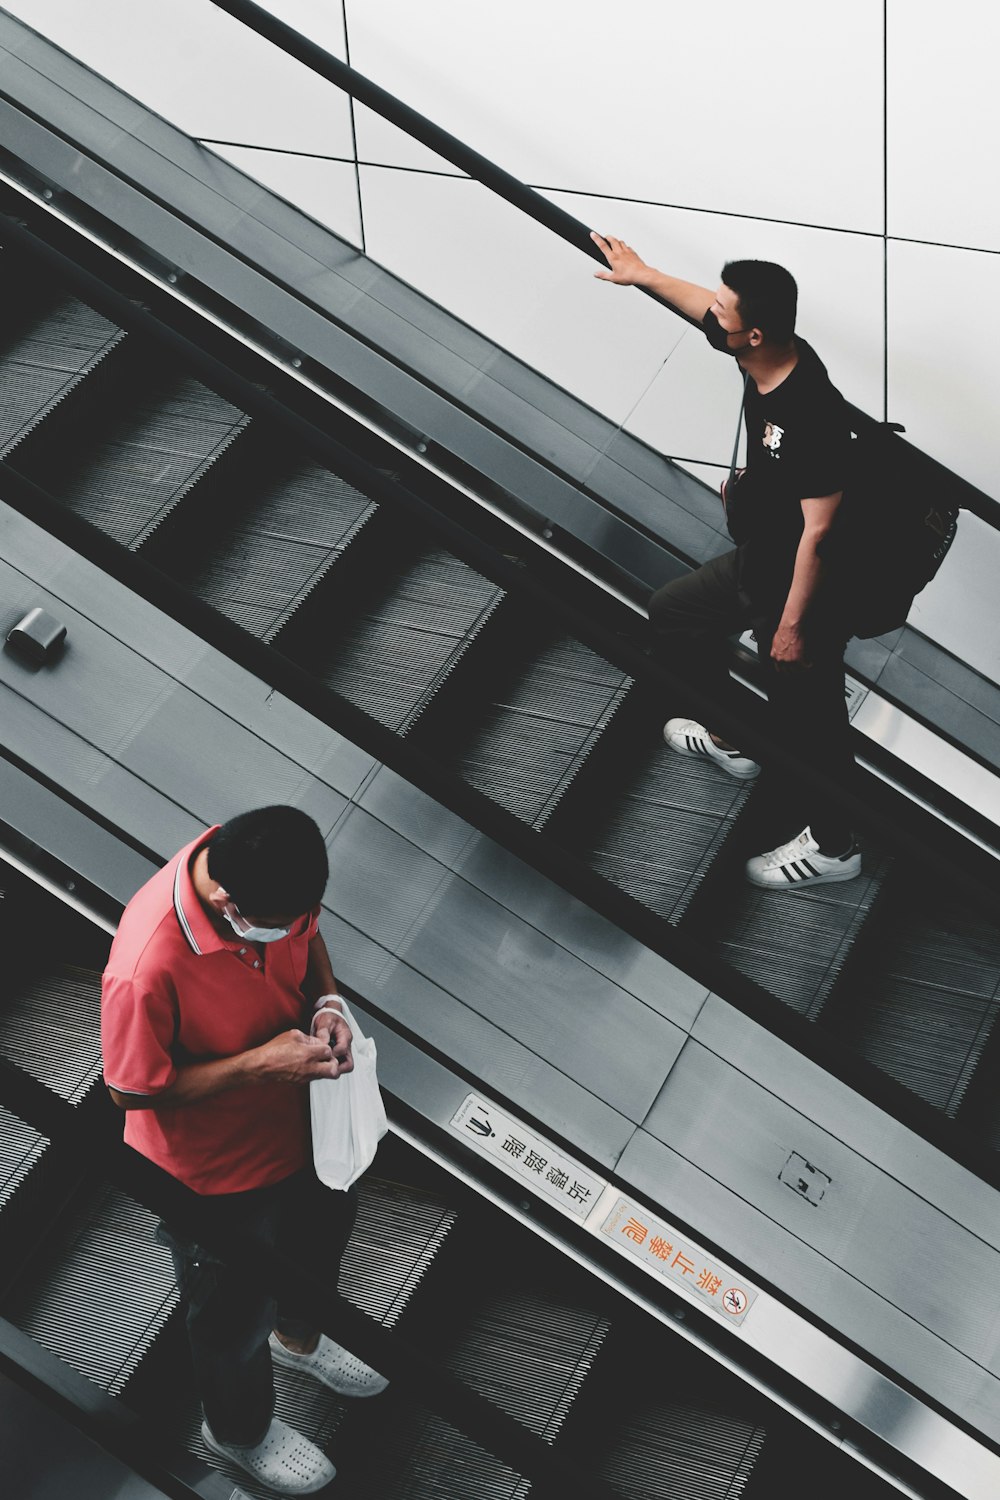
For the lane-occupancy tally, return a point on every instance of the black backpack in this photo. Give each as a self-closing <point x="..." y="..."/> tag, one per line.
<point x="892" y="530"/>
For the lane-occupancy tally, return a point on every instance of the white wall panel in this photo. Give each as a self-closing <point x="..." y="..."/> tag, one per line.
<point x="943" y="375"/>
<point x="326" y="190"/>
<point x="385" y="145"/>
<point x="691" y="408"/>
<point x="205" y="72"/>
<point x="775" y="112"/>
<point x="518" y="283"/>
<point x="944" y="121"/>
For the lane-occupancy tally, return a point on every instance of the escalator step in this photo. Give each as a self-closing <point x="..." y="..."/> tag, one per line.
<point x="533" y="730"/>
<point x="527" y="1353"/>
<point x="530" y="1355"/>
<point x="99" y="1290"/>
<point x="925" y="1007"/>
<point x="795" y="943"/>
<point x="397" y="1235"/>
<point x="389" y="659"/>
<point x="51" y="1027"/>
<point x="277" y="543"/>
<point x="127" y="477"/>
<point x="678" y="1450"/>
<point x="666" y="827"/>
<point x="42" y="362"/>
<point x="421" y="1457"/>
<point x="21" y="1147"/>
<point x="30" y="1181"/>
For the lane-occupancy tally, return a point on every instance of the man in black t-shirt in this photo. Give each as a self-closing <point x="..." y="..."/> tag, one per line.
<point x="779" y="509"/>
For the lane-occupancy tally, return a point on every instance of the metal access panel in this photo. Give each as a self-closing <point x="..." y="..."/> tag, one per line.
<point x="885" y="1240"/>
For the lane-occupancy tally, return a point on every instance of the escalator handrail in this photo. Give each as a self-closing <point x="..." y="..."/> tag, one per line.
<point x="921" y="466"/>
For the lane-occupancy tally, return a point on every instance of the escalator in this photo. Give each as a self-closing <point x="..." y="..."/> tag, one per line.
<point x="490" y="686"/>
<point x="623" y="1398"/>
<point x="434" y="635"/>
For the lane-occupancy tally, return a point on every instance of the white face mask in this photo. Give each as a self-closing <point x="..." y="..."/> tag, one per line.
<point x="249" y="934"/>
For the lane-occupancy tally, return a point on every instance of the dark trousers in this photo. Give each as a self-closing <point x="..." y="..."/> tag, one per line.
<point x="228" y="1320"/>
<point x="691" y="619"/>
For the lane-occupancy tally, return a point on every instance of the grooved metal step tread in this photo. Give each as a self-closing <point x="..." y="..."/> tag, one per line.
<point x="21" y="1148"/>
<point x="41" y="362"/>
<point x="51" y="1027"/>
<point x="795" y="943"/>
<point x="390" y="657"/>
<point x="665" y="826"/>
<point x="528" y="736"/>
<point x="269" y="547"/>
<point x="925" y="1007"/>
<point x="528" y="1353"/>
<point x="29" y="1175"/>
<point x="674" y="1449"/>
<point x="126" y="476"/>
<point x="99" y="1290"/>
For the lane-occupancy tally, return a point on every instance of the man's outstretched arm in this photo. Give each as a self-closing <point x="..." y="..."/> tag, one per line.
<point x="629" y="269"/>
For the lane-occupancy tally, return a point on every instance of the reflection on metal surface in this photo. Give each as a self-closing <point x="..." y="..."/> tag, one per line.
<point x="919" y="747"/>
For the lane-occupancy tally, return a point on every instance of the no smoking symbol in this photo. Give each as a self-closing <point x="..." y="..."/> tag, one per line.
<point x="734" y="1301"/>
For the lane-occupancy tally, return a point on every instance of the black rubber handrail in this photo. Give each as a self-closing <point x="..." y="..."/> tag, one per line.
<point x="920" y="465"/>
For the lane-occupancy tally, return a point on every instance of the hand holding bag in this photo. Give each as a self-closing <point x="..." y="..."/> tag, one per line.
<point x="348" y="1116"/>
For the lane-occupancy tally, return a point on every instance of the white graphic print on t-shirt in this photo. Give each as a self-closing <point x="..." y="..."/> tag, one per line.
<point x="772" y="438"/>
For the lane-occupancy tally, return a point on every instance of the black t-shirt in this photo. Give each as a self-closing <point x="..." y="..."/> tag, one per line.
<point x="798" y="448"/>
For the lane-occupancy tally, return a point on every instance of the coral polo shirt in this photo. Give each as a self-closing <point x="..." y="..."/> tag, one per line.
<point x="175" y="991"/>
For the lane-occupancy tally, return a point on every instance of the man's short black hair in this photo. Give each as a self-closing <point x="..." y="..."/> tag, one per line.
<point x="272" y="861"/>
<point x="768" y="297"/>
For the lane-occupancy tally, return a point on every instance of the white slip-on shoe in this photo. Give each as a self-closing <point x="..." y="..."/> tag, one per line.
<point x="285" y="1460"/>
<point x="338" y="1368"/>
<point x="689" y="738"/>
<point x="799" y="863"/>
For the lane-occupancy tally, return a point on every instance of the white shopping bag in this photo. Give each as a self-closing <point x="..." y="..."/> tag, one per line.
<point x="348" y="1116"/>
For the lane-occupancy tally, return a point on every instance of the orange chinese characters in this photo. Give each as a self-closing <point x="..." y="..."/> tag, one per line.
<point x="659" y="1247"/>
<point x="709" y="1282"/>
<point x="635" y="1231"/>
<point x="687" y="1266"/>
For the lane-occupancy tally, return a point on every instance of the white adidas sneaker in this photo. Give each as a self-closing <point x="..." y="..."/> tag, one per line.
<point x="689" y="738"/>
<point x="799" y="863"/>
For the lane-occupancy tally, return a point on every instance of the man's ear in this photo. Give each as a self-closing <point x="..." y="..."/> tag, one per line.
<point x="219" y="898"/>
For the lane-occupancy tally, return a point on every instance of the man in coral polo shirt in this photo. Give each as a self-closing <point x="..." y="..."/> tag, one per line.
<point x="216" y="978"/>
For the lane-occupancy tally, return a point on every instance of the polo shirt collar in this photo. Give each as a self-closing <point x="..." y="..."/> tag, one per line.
<point x="198" y="930"/>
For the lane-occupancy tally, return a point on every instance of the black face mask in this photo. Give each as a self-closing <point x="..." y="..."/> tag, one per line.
<point x="718" y="336"/>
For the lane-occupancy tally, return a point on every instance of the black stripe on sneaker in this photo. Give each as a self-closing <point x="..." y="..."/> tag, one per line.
<point x="807" y="866"/>
<point x="789" y="873"/>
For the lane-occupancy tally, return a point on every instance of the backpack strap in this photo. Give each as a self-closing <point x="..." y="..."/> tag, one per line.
<point x="739" y="424"/>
